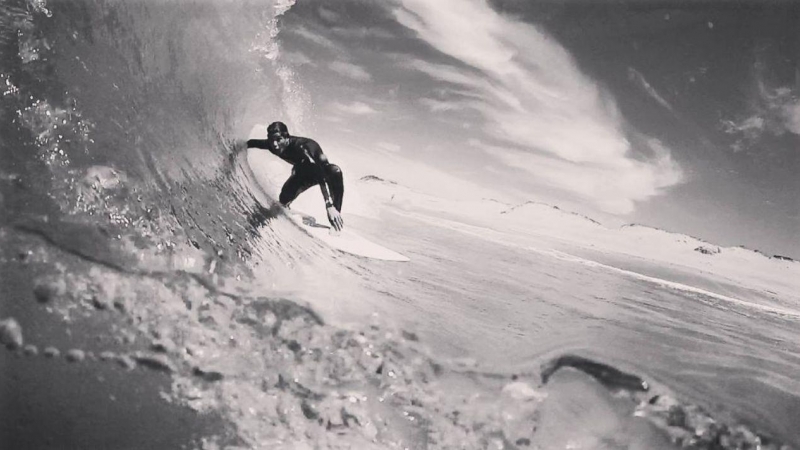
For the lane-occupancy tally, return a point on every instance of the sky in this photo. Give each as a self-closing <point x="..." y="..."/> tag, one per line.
<point x="679" y="115"/>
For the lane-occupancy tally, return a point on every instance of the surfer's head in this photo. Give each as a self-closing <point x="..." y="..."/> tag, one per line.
<point x="278" y="136"/>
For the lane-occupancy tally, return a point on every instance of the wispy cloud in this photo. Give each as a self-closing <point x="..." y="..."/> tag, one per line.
<point x="776" y="111"/>
<point x="608" y="187"/>
<point x="635" y="76"/>
<point x="297" y="59"/>
<point x="747" y="130"/>
<point x="355" y="108"/>
<point x="388" y="146"/>
<point x="333" y="119"/>
<point x="780" y="108"/>
<point x="435" y="105"/>
<point x="350" y="70"/>
<point x="328" y="14"/>
<point x="362" y="32"/>
<point x="774" y="105"/>
<point x="534" y="99"/>
<point x="316" y="38"/>
<point x="791" y="113"/>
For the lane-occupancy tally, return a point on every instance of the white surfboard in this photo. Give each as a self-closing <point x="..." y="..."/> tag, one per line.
<point x="346" y="240"/>
<point x="308" y="211"/>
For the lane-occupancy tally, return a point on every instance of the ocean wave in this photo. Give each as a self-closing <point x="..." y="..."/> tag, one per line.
<point x="137" y="238"/>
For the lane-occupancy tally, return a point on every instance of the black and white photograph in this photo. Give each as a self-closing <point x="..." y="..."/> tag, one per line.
<point x="399" y="224"/>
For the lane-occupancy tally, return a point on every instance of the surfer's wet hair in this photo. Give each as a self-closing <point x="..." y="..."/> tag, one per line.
<point x="277" y="128"/>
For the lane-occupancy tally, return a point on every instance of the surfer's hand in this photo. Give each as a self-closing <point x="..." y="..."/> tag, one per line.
<point x="335" y="218"/>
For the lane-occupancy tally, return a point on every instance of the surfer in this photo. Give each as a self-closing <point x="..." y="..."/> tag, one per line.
<point x="309" y="167"/>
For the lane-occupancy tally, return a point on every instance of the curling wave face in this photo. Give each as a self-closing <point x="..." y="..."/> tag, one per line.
<point x="114" y="92"/>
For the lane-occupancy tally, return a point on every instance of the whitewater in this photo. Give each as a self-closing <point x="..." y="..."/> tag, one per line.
<point x="152" y="297"/>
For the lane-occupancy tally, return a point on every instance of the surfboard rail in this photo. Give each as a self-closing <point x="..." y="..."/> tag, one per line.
<point x="346" y="240"/>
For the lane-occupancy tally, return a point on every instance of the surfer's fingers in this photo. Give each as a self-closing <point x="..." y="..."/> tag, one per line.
<point x="336" y="222"/>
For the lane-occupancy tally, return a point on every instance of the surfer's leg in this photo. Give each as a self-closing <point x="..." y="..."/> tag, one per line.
<point x="336" y="185"/>
<point x="294" y="186"/>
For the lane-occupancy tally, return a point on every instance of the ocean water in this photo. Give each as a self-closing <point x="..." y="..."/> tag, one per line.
<point x="153" y="298"/>
<point x="513" y="305"/>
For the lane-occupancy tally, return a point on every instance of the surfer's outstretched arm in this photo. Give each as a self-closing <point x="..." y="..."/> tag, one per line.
<point x="258" y="143"/>
<point x="320" y="163"/>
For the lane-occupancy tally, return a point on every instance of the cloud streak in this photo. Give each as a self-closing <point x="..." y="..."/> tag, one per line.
<point x="635" y="76"/>
<point x="328" y="15"/>
<point x="545" y="115"/>
<point x="791" y="114"/>
<point x="350" y="70"/>
<point x="297" y="59"/>
<point x="354" y="108"/>
<point x="435" y="105"/>
<point x="316" y="38"/>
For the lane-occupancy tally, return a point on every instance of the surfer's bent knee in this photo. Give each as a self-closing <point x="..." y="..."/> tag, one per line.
<point x="335" y="170"/>
<point x="286" y="198"/>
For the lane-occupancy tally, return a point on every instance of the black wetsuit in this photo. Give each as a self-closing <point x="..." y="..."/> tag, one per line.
<point x="310" y="167"/>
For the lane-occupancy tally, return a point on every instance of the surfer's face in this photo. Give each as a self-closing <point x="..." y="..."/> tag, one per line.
<point x="278" y="142"/>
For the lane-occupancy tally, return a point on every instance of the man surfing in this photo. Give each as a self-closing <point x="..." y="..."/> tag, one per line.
<point x="309" y="167"/>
